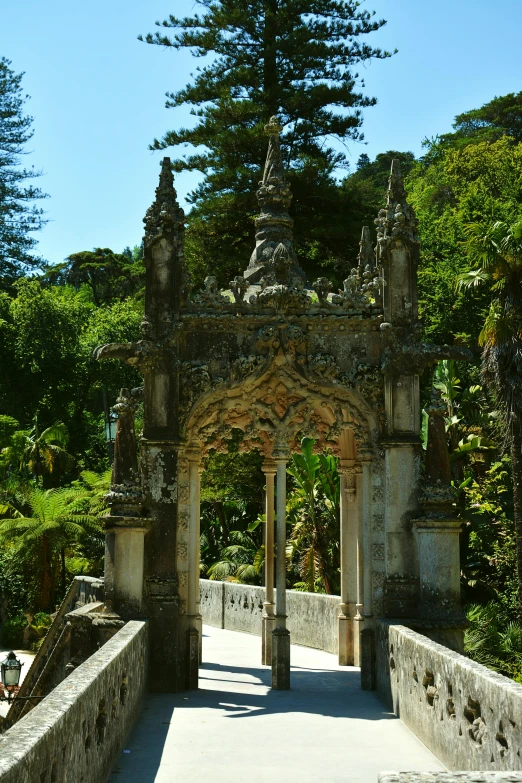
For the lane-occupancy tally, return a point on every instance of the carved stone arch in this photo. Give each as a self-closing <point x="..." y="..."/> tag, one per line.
<point x="280" y="403"/>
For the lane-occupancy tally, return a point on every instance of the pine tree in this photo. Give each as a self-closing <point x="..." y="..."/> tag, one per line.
<point x="19" y="216"/>
<point x="293" y="58"/>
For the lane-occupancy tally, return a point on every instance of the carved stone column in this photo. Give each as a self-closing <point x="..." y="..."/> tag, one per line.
<point x="193" y="616"/>
<point x="365" y="458"/>
<point x="124" y="525"/>
<point x="439" y="609"/>
<point x="402" y="468"/>
<point x="358" y="620"/>
<point x="269" y="469"/>
<point x="281" y="635"/>
<point x="349" y="524"/>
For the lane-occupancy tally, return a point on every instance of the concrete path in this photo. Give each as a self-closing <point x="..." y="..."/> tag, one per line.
<point x="325" y="730"/>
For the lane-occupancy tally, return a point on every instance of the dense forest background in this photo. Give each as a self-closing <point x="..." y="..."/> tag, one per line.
<point x="55" y="399"/>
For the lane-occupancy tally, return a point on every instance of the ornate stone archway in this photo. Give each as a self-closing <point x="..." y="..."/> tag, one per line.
<point x="278" y="359"/>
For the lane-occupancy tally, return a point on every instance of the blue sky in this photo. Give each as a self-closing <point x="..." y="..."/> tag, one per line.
<point x="97" y="96"/>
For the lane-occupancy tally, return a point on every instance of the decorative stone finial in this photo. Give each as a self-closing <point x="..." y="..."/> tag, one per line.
<point x="125" y="495"/>
<point x="164" y="216"/>
<point x="438" y="471"/>
<point x="396" y="191"/>
<point x="398" y="219"/>
<point x="274" y="253"/>
<point x="366" y="255"/>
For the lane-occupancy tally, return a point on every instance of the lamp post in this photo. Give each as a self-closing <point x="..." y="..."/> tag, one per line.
<point x="11" y="669"/>
<point x="110" y="432"/>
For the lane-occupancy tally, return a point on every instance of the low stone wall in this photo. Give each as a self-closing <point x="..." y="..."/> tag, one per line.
<point x="312" y="617"/>
<point x="83" y="723"/>
<point x="467" y="715"/>
<point x="450" y="777"/>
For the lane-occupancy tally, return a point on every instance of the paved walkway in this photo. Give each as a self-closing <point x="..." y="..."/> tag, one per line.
<point x="325" y="730"/>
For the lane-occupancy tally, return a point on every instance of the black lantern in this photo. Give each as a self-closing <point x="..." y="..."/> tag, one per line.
<point x="11" y="669"/>
<point x="110" y="427"/>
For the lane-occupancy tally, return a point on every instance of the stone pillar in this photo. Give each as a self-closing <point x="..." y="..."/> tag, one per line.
<point x="281" y="635"/>
<point x="365" y="457"/>
<point x="358" y="620"/>
<point x="402" y="467"/>
<point x="349" y="523"/>
<point x="124" y="550"/>
<point x="439" y="610"/>
<point x="269" y="469"/>
<point x="193" y="616"/>
<point x="125" y="526"/>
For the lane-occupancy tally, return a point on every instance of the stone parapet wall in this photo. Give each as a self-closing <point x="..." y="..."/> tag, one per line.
<point x="467" y="715"/>
<point x="312" y="617"/>
<point x="450" y="777"/>
<point x="82" y="724"/>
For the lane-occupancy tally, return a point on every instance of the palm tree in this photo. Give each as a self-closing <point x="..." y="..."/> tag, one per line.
<point x="496" y="254"/>
<point x="313" y="510"/>
<point x="45" y="451"/>
<point x="51" y="528"/>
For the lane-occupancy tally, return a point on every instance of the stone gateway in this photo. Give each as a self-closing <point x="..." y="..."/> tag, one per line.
<point x="279" y="358"/>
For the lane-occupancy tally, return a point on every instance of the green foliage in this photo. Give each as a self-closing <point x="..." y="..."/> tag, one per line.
<point x="451" y="187"/>
<point x="494" y="640"/>
<point x="500" y="117"/>
<point x="108" y="276"/>
<point x="50" y="526"/>
<point x="12" y="632"/>
<point x="313" y="513"/>
<point x="19" y="216"/>
<point x="295" y="59"/>
<point x="488" y="549"/>
<point x="47" y="339"/>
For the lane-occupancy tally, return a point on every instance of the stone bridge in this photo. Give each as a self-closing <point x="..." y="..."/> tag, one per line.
<point x="267" y="362"/>
<point x="432" y="710"/>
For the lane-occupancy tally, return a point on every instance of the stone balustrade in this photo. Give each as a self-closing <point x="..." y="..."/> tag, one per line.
<point x="312" y="617"/>
<point x="469" y="716"/>
<point x="82" y="724"/>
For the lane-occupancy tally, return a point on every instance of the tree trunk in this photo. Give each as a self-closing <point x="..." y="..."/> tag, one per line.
<point x="62" y="555"/>
<point x="516" y="468"/>
<point x="270" y="80"/>
<point x="45" y="595"/>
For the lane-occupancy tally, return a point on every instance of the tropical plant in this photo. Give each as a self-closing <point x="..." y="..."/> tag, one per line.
<point x="313" y="512"/>
<point x="496" y="254"/>
<point x="242" y="561"/>
<point x="494" y="640"/>
<point x="50" y="527"/>
<point x="45" y="452"/>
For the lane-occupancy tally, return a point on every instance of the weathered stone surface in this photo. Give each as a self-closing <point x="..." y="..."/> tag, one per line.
<point x="312" y="617"/>
<point x="278" y="361"/>
<point x="76" y="732"/>
<point x="466" y="714"/>
<point x="450" y="777"/>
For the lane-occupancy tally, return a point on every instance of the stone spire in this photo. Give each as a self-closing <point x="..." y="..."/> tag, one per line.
<point x="167" y="280"/>
<point x="398" y="218"/>
<point x="397" y="252"/>
<point x="164" y="216"/>
<point x="274" y="254"/>
<point x="366" y="255"/>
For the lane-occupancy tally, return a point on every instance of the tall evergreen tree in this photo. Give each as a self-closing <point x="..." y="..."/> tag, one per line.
<point x="293" y="58"/>
<point x="19" y="216"/>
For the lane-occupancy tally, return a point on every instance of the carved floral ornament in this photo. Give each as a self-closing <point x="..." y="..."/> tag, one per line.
<point x="282" y="353"/>
<point x="361" y="294"/>
<point x="276" y="398"/>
